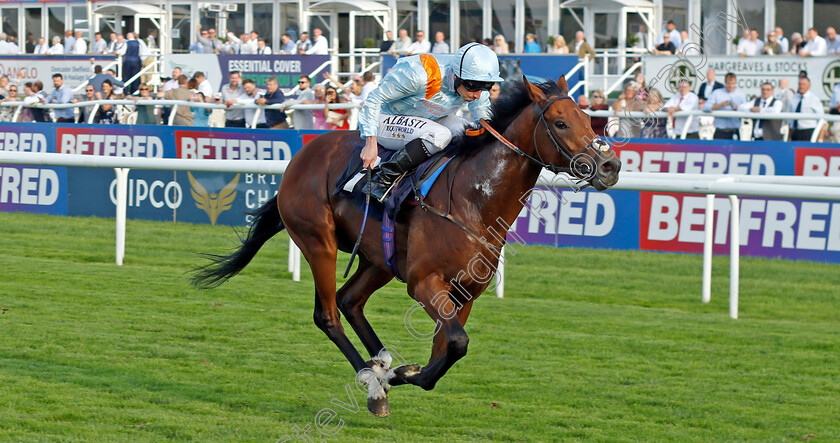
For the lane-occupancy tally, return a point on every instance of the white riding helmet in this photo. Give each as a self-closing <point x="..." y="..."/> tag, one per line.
<point x="476" y="62"/>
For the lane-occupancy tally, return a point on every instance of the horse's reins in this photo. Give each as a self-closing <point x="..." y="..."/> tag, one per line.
<point x="559" y="147"/>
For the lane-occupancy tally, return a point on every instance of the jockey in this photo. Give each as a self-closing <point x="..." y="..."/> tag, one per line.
<point x="413" y="109"/>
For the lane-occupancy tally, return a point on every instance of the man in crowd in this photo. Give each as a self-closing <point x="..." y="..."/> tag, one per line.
<point x="319" y="43"/>
<point x="685" y="100"/>
<point x="401" y="45"/>
<point x="183" y="116"/>
<point x="119" y="45"/>
<point x="202" y="84"/>
<point x="80" y="47"/>
<point x="708" y="87"/>
<point x="249" y="96"/>
<point x="765" y="104"/>
<point x="805" y="102"/>
<point x="41" y="48"/>
<point x="420" y="46"/>
<point x="234" y="118"/>
<point x="783" y="41"/>
<point x="69" y="41"/>
<point x="815" y="46"/>
<point x="29" y="46"/>
<point x="303" y="43"/>
<point x="209" y="41"/>
<point x="832" y="41"/>
<point x="85" y="111"/>
<point x="726" y="99"/>
<point x="274" y="118"/>
<point x="387" y="42"/>
<point x="368" y="85"/>
<point x="60" y="95"/>
<point x="440" y="47"/>
<point x="580" y="47"/>
<point x="57" y="48"/>
<point x="172" y="83"/>
<point x="262" y="47"/>
<point x="37" y="88"/>
<point x="99" y="77"/>
<point x="671" y="31"/>
<point x="99" y="46"/>
<point x="750" y="45"/>
<point x="287" y="46"/>
<point x="666" y="47"/>
<point x="303" y="117"/>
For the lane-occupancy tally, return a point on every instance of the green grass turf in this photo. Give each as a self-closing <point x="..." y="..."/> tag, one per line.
<point x="588" y="344"/>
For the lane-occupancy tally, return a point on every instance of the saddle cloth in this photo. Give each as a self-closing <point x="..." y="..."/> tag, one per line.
<point x="417" y="184"/>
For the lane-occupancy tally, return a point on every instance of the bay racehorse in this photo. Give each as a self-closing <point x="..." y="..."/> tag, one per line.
<point x="481" y="192"/>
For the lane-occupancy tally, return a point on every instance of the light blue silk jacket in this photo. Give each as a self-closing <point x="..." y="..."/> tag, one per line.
<point x="418" y="86"/>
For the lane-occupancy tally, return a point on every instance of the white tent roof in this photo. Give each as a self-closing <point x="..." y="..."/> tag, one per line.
<point x="607" y="4"/>
<point x="348" y="5"/>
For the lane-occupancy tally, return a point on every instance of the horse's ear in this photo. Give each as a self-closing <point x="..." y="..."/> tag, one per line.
<point x="564" y="87"/>
<point x="535" y="93"/>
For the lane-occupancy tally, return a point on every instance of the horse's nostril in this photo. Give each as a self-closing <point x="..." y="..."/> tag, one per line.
<point x="607" y="168"/>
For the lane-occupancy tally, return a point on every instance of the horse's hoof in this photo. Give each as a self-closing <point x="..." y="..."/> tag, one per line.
<point x="405" y="372"/>
<point x="379" y="407"/>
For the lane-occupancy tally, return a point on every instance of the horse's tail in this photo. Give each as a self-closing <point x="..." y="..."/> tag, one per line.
<point x="267" y="223"/>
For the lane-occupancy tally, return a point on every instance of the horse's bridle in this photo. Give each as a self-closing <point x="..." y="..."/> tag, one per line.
<point x="576" y="162"/>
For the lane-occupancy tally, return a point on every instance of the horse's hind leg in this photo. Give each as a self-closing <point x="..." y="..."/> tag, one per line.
<point x="320" y="251"/>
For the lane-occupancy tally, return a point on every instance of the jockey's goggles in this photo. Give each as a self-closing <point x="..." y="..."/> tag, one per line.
<point x="472" y="85"/>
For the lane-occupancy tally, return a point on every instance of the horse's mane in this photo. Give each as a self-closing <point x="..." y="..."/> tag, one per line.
<point x="505" y="110"/>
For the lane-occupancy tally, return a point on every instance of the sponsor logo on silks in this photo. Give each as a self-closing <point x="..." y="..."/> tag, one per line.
<point x="213" y="203"/>
<point x="831" y="77"/>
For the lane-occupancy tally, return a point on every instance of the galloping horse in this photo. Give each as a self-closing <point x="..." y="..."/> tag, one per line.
<point x="541" y="127"/>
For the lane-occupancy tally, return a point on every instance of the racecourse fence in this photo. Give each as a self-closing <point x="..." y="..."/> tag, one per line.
<point x="733" y="186"/>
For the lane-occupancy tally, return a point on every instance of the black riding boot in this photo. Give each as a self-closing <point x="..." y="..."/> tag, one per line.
<point x="405" y="160"/>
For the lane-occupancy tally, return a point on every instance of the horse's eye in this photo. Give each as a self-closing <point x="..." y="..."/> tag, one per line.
<point x="560" y="125"/>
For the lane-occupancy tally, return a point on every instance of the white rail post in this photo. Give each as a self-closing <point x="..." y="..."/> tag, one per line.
<point x="707" y="248"/>
<point x="500" y="274"/>
<point x="296" y="270"/>
<point x="122" y="204"/>
<point x="734" y="256"/>
<point x="291" y="255"/>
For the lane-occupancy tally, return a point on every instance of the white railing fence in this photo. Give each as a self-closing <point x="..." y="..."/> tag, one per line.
<point x="816" y="188"/>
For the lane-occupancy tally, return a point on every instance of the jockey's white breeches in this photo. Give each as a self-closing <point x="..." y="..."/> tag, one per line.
<point x="397" y="130"/>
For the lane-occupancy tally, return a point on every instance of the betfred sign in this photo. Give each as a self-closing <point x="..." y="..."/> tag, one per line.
<point x="768" y="227"/>
<point x="818" y="162"/>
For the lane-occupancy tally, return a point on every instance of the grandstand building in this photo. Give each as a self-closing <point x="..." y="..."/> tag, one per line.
<point x="355" y="25"/>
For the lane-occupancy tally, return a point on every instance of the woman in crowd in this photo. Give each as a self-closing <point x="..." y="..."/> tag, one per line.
<point x="599" y="103"/>
<point x="107" y="114"/>
<point x="336" y="118"/>
<point x="559" y="46"/>
<point x="201" y="116"/>
<point x="654" y="127"/>
<point x="500" y="46"/>
<point x="7" y="112"/>
<point x="318" y="114"/>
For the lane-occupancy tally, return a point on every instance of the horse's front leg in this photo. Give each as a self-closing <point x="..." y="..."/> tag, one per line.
<point x="450" y="340"/>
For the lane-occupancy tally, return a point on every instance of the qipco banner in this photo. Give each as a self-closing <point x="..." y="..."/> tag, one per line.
<point x="155" y="195"/>
<point x="665" y="72"/>
<point x="660" y="221"/>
